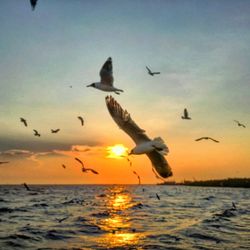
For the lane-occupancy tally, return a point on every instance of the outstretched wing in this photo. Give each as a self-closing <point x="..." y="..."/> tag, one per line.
<point x="213" y="139"/>
<point x="77" y="159"/>
<point x="81" y="119"/>
<point x="149" y="71"/>
<point x="185" y="113"/>
<point x="106" y="73"/>
<point x="124" y="121"/>
<point x="156" y="73"/>
<point x="199" y="139"/>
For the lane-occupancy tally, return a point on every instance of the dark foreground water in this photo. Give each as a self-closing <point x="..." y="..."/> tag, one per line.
<point x="124" y="217"/>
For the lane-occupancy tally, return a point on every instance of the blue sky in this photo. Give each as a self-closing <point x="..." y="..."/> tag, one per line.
<point x="201" y="49"/>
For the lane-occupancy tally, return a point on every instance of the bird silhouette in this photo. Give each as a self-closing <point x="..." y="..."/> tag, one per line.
<point x="3" y="162"/>
<point x="157" y="196"/>
<point x="185" y="115"/>
<point x="36" y="133"/>
<point x="81" y="120"/>
<point x="206" y="138"/>
<point x="106" y="83"/>
<point x="63" y="166"/>
<point x="139" y="178"/>
<point x="154" y="149"/>
<point x="240" y="124"/>
<point x="26" y="186"/>
<point x="62" y="219"/>
<point x="152" y="73"/>
<point x="85" y="169"/>
<point x="54" y="131"/>
<point x="33" y="4"/>
<point x="23" y="121"/>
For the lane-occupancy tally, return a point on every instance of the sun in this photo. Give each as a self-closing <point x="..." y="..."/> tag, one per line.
<point x="117" y="151"/>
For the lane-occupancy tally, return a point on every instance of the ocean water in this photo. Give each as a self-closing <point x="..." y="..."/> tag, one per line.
<point x="124" y="217"/>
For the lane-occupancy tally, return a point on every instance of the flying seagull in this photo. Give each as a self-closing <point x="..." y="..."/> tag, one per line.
<point x="81" y="119"/>
<point x="23" y="121"/>
<point x="54" y="131"/>
<point x="85" y="169"/>
<point x="139" y="178"/>
<point x="185" y="115"/>
<point x="154" y="149"/>
<point x="63" y="166"/>
<point x="240" y="124"/>
<point x="206" y="138"/>
<point x="157" y="196"/>
<point x="26" y="186"/>
<point x="3" y="162"/>
<point x="106" y="83"/>
<point x="33" y="4"/>
<point x="152" y="73"/>
<point x="36" y="133"/>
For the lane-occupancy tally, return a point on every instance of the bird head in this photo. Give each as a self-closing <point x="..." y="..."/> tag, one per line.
<point x="131" y="152"/>
<point x="91" y="85"/>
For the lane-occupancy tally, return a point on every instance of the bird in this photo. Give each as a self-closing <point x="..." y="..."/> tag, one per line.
<point x="240" y="124"/>
<point x="81" y="119"/>
<point x="26" y="186"/>
<point x="157" y="196"/>
<point x="62" y="219"/>
<point x="185" y="115"/>
<point x="33" y="4"/>
<point x="53" y="131"/>
<point x="3" y="162"/>
<point x="152" y="73"/>
<point x="63" y="166"/>
<point x="154" y="149"/>
<point x="36" y="133"/>
<point x="106" y="83"/>
<point x="139" y="178"/>
<point x="206" y="138"/>
<point x="85" y="169"/>
<point x="24" y="121"/>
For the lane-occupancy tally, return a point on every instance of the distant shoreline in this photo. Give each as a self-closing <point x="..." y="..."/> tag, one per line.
<point x="230" y="182"/>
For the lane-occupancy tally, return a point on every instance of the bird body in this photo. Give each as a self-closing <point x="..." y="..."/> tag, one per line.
<point x="207" y="138"/>
<point x="33" y="4"/>
<point x="36" y="133"/>
<point x="152" y="73"/>
<point x="124" y="121"/>
<point x="185" y="115"/>
<point x="23" y="121"/>
<point x="240" y="124"/>
<point x="54" y="131"/>
<point x="107" y="79"/>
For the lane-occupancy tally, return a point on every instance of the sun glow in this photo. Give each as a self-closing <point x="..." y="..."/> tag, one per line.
<point x="117" y="151"/>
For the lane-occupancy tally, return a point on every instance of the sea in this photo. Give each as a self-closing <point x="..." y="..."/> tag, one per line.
<point x="124" y="217"/>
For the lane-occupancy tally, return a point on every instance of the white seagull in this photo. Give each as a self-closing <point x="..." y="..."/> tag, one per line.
<point x="154" y="149"/>
<point x="107" y="79"/>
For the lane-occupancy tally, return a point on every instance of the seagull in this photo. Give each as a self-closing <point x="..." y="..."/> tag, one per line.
<point x="53" y="131"/>
<point x="85" y="169"/>
<point x="36" y="133"/>
<point x="240" y="124"/>
<point x="157" y="196"/>
<point x="63" y="166"/>
<point x="26" y="186"/>
<point x="185" y="115"/>
<point x="33" y="4"/>
<point x="139" y="178"/>
<point x="62" y="219"/>
<point x="81" y="119"/>
<point x="152" y="73"/>
<point x="3" y="162"/>
<point x="154" y="149"/>
<point x="24" y="121"/>
<point x="207" y="138"/>
<point x="106" y="83"/>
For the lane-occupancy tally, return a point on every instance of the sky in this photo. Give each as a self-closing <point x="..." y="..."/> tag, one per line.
<point x="201" y="49"/>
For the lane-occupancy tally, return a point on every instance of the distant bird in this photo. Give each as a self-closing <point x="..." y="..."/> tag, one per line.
<point x="152" y="73"/>
<point x="33" y="4"/>
<point x="157" y="196"/>
<point x="85" y="169"/>
<point x="240" y="124"/>
<point x="106" y="83"/>
<point x="36" y="133"/>
<point x="185" y="115"/>
<point x="154" y="149"/>
<point x="63" y="166"/>
<point x="61" y="220"/>
<point x="207" y="138"/>
<point x="71" y="86"/>
<point x="3" y="162"/>
<point x="139" y="178"/>
<point x="26" y="186"/>
<point x="81" y="119"/>
<point x="53" y="131"/>
<point x="23" y="121"/>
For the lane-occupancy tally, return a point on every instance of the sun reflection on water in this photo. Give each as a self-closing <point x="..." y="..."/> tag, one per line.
<point x="118" y="225"/>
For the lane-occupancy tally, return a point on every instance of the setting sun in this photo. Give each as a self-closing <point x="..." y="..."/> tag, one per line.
<point x="116" y="151"/>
